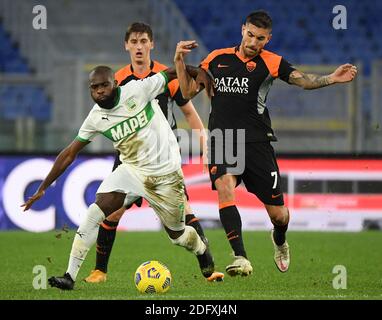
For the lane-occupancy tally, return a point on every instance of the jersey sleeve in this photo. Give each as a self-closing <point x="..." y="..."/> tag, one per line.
<point x="154" y="85"/>
<point x="122" y="74"/>
<point x="87" y="131"/>
<point x="176" y="93"/>
<point x="205" y="64"/>
<point x="285" y="69"/>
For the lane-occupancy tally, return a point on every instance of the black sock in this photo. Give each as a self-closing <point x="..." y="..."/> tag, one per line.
<point x="192" y="221"/>
<point x="279" y="234"/>
<point x="231" y="220"/>
<point x="105" y="240"/>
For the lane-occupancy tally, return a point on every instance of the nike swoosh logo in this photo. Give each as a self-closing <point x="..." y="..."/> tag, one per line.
<point x="276" y="196"/>
<point x="222" y="66"/>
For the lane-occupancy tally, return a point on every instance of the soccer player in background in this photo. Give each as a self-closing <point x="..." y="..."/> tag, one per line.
<point x="243" y="76"/>
<point x="131" y="118"/>
<point x="139" y="42"/>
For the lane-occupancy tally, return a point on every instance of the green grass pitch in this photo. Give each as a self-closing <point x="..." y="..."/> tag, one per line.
<point x="313" y="257"/>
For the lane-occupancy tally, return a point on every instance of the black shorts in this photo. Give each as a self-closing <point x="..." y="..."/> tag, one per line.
<point x="253" y="163"/>
<point x="137" y="202"/>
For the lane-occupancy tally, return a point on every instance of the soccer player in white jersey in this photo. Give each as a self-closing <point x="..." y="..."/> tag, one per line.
<point x="151" y="165"/>
<point x="139" y="41"/>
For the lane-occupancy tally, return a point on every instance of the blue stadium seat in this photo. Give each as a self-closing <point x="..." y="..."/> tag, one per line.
<point x="299" y="25"/>
<point x="19" y="100"/>
<point x="10" y="58"/>
<point x="15" y="66"/>
<point x="24" y="101"/>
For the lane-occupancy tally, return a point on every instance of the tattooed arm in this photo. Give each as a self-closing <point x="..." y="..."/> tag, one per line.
<point x="344" y="73"/>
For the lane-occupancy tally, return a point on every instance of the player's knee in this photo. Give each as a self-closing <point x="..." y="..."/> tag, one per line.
<point x="116" y="215"/>
<point x="279" y="221"/>
<point x="190" y="240"/>
<point x="279" y="215"/>
<point x="225" y="192"/>
<point x="110" y="202"/>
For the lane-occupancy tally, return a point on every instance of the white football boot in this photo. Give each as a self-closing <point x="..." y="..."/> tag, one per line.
<point x="282" y="256"/>
<point x="239" y="266"/>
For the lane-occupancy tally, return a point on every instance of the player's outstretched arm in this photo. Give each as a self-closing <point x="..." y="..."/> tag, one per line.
<point x="170" y="73"/>
<point x="191" y="79"/>
<point x="344" y="73"/>
<point x="63" y="160"/>
<point x="187" y="84"/>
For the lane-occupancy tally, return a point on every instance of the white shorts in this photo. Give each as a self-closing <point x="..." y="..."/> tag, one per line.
<point x="165" y="194"/>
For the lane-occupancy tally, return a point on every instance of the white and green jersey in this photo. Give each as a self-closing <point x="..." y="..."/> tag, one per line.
<point x="137" y="127"/>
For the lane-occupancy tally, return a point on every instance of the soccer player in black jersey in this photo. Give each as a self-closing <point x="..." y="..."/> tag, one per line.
<point x="139" y="42"/>
<point x="243" y="76"/>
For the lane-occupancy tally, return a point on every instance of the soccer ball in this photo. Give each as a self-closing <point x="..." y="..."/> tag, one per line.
<point x="152" y="277"/>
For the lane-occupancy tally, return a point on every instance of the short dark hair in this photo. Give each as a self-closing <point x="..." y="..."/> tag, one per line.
<point x="260" y="19"/>
<point x="139" y="27"/>
<point x="102" y="70"/>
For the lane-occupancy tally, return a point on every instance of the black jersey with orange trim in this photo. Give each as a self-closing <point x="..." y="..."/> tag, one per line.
<point x="241" y="89"/>
<point x="166" y="99"/>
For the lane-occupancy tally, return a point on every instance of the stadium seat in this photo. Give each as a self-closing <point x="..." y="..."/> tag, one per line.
<point x="310" y="30"/>
<point x="21" y="100"/>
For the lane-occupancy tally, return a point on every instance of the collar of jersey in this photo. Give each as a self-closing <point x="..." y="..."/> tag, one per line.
<point x="237" y="53"/>
<point x="143" y="75"/>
